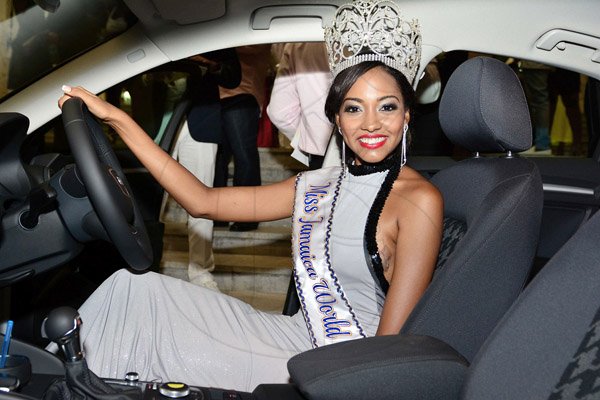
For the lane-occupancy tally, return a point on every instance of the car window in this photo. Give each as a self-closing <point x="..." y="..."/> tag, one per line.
<point x="150" y="99"/>
<point x="561" y="116"/>
<point x="40" y="35"/>
<point x="557" y="102"/>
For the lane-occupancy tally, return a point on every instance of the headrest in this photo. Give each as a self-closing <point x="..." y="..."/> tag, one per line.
<point x="483" y="108"/>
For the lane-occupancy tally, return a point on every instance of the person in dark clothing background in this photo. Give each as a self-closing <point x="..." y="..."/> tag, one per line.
<point x="241" y="110"/>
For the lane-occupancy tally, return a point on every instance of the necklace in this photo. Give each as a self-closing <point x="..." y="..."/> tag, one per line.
<point x="367" y="168"/>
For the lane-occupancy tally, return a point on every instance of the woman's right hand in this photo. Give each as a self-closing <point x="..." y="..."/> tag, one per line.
<point x="100" y="108"/>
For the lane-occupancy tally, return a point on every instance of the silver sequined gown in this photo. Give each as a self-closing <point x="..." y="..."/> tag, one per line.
<point x="168" y="329"/>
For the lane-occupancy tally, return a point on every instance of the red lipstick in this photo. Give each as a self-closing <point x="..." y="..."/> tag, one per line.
<point x="372" y="141"/>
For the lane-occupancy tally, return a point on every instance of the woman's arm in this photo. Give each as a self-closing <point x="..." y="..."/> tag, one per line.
<point x="259" y="203"/>
<point x="420" y="216"/>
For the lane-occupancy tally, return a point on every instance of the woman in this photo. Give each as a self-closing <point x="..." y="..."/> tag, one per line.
<point x="365" y="239"/>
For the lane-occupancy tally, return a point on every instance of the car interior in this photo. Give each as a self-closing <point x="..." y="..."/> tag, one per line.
<point x="512" y="310"/>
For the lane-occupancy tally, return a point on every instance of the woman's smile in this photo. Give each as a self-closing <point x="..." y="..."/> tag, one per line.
<point x="372" y="141"/>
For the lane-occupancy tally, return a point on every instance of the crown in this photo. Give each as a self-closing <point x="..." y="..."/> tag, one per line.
<point x="373" y="31"/>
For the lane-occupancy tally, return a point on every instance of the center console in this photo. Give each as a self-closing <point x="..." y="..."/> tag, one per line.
<point x="47" y="369"/>
<point x="42" y="375"/>
<point x="174" y="390"/>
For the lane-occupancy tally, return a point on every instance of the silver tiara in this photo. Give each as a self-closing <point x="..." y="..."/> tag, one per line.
<point x="373" y="31"/>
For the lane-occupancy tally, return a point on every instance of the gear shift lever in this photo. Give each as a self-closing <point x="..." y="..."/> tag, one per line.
<point x="62" y="327"/>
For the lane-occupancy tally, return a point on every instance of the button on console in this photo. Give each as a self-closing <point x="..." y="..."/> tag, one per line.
<point x="132" y="377"/>
<point x="174" y="390"/>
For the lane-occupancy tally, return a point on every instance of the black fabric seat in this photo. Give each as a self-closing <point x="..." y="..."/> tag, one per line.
<point x="492" y="213"/>
<point x="494" y="205"/>
<point x="547" y="346"/>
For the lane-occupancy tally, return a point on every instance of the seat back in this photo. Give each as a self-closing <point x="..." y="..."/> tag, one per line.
<point x="492" y="209"/>
<point x="548" y="344"/>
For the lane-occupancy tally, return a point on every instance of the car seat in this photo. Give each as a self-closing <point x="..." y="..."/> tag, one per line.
<point x="548" y="345"/>
<point x="492" y="215"/>
<point x="492" y="208"/>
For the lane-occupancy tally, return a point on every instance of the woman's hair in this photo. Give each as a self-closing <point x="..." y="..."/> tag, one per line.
<point x="346" y="78"/>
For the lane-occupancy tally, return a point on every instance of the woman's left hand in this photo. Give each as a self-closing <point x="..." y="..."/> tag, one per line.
<point x="100" y="108"/>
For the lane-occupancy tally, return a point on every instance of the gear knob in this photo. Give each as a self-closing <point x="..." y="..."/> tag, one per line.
<point x="62" y="327"/>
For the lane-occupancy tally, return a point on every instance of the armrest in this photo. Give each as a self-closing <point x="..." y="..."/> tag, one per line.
<point x="409" y="366"/>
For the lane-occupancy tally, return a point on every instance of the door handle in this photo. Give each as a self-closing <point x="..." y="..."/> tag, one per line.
<point x="559" y="38"/>
<point x="262" y="17"/>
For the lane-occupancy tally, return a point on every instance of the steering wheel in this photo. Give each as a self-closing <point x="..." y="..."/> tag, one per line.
<point x="106" y="184"/>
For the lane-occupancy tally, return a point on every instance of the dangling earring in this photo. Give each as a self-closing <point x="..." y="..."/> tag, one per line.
<point x="403" y="149"/>
<point x="343" y="148"/>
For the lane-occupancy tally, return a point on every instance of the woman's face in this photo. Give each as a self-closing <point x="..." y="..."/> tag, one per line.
<point x="372" y="116"/>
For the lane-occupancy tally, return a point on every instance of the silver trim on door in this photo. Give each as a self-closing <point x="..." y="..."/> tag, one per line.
<point x="550" y="187"/>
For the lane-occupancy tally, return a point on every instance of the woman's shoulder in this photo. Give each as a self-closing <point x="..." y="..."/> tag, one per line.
<point x="413" y="191"/>
<point x="415" y="184"/>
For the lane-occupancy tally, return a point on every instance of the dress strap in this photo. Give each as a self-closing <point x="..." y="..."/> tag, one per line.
<point x="371" y="227"/>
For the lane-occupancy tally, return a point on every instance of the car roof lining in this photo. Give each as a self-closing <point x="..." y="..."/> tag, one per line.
<point x="161" y="40"/>
<point x="171" y="23"/>
<point x="181" y="12"/>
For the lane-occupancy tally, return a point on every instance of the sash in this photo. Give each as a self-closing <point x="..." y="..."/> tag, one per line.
<point x="327" y="312"/>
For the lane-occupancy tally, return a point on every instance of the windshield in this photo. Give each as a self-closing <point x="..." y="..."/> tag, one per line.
<point x="39" y="35"/>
